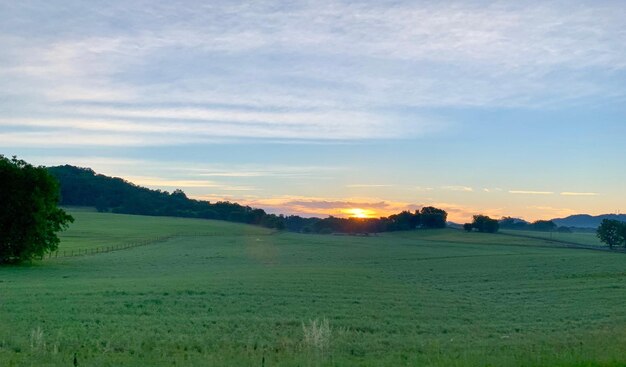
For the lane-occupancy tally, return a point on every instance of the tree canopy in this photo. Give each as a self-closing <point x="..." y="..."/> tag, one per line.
<point x="83" y="187"/>
<point x="612" y="232"/>
<point x="30" y="218"/>
<point x="432" y="217"/>
<point x="539" y="225"/>
<point x="483" y="223"/>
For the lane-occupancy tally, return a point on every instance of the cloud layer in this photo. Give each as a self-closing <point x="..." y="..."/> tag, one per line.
<point x="152" y="73"/>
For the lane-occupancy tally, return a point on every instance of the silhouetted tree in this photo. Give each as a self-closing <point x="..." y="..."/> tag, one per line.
<point x="612" y="232"/>
<point x="29" y="216"/>
<point x="483" y="223"/>
<point x="178" y="193"/>
<point x="513" y="223"/>
<point x="542" y="225"/>
<point x="403" y="221"/>
<point x="432" y="217"/>
<point x="468" y="227"/>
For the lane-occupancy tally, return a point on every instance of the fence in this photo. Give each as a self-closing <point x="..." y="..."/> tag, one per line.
<point x="124" y="246"/>
<point x="105" y="249"/>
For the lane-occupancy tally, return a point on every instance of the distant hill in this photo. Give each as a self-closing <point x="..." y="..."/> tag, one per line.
<point x="587" y="221"/>
<point x="83" y="187"/>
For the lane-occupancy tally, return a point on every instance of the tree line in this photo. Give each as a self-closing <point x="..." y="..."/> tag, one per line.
<point x="539" y="225"/>
<point x="84" y="187"/>
<point x="483" y="223"/>
<point x="427" y="218"/>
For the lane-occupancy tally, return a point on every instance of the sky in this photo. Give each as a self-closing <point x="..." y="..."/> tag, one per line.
<point x="502" y="108"/>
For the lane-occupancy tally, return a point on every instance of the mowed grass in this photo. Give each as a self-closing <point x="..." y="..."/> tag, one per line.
<point x="96" y="230"/>
<point x="424" y="298"/>
<point x="581" y="238"/>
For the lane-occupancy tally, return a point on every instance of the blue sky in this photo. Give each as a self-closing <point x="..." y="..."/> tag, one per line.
<point x="501" y="108"/>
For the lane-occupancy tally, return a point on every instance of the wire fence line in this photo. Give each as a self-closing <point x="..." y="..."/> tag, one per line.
<point x="111" y="248"/>
<point x="133" y="244"/>
<point x="566" y="244"/>
<point x="105" y="249"/>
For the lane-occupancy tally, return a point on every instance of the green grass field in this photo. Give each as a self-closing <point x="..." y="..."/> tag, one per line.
<point x="581" y="238"/>
<point x="236" y="295"/>
<point x="96" y="230"/>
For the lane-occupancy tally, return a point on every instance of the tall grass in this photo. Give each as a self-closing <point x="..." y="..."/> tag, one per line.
<point x="37" y="340"/>
<point x="317" y="335"/>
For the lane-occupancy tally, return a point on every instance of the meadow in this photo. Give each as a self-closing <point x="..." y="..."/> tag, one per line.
<point x="223" y="294"/>
<point x="581" y="238"/>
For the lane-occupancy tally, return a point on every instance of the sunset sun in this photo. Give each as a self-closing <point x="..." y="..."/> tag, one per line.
<point x="358" y="213"/>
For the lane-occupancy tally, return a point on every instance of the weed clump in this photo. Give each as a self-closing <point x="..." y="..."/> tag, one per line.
<point x="37" y="342"/>
<point x="317" y="335"/>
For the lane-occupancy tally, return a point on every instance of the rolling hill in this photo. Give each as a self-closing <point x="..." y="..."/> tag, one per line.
<point x="587" y="221"/>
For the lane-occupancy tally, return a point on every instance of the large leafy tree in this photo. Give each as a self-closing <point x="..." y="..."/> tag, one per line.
<point x="612" y="232"/>
<point x="485" y="224"/>
<point x="29" y="216"/>
<point x="432" y="217"/>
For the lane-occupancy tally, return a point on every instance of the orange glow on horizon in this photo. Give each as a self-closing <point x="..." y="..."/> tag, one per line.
<point x="358" y="213"/>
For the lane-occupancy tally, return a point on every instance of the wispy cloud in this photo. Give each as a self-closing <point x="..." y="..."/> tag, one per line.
<point x="53" y="138"/>
<point x="329" y="70"/>
<point x="198" y="171"/>
<point x="321" y="206"/>
<point x="164" y="183"/>
<point x="552" y="212"/>
<point x="420" y="188"/>
<point x="152" y="132"/>
<point x="358" y="186"/>
<point x="458" y="188"/>
<point x="579" y="193"/>
<point x="530" y="192"/>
